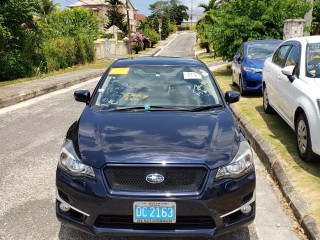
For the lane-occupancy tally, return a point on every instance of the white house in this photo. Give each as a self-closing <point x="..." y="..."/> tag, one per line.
<point x="102" y="8"/>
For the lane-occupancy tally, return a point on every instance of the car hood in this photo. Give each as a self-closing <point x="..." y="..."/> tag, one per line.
<point x="253" y="63"/>
<point x="162" y="137"/>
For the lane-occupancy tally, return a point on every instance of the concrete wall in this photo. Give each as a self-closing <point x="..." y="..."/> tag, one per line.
<point x="110" y="48"/>
<point x="293" y="28"/>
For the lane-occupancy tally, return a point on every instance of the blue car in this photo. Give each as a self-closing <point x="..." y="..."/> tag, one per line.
<point x="156" y="152"/>
<point x="248" y="62"/>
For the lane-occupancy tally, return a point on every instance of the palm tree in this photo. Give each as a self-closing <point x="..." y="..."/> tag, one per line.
<point x="114" y="3"/>
<point x="46" y="8"/>
<point x="114" y="16"/>
<point x="211" y="5"/>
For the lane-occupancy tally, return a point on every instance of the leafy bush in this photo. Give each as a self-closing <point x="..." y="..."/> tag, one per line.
<point x="59" y="53"/>
<point x="152" y="35"/>
<point x="262" y="19"/>
<point x="172" y="28"/>
<point x="136" y="40"/>
<point x="182" y="28"/>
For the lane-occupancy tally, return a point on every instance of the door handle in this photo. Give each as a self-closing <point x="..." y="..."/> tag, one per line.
<point x="278" y="77"/>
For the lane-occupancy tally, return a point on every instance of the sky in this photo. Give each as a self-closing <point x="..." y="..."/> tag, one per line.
<point x="143" y="5"/>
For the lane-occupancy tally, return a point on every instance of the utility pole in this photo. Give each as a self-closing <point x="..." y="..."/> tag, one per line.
<point x="129" y="30"/>
<point x="191" y="11"/>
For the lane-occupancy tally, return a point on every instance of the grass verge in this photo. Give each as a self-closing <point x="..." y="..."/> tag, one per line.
<point x="304" y="176"/>
<point x="99" y="64"/>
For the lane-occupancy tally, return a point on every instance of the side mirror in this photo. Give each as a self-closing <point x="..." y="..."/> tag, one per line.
<point x="82" y="96"/>
<point x="232" y="96"/>
<point x="288" y="71"/>
<point x="238" y="58"/>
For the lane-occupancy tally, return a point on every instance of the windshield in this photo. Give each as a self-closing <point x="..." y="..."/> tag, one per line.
<point x="169" y="86"/>
<point x="261" y="51"/>
<point x="313" y="60"/>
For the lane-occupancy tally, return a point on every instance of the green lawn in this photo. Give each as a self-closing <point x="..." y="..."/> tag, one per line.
<point x="99" y="64"/>
<point x="304" y="176"/>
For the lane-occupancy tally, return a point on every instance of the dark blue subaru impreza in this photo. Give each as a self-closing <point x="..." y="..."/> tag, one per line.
<point x="156" y="152"/>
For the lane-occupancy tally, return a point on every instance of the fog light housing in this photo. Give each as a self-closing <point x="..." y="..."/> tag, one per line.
<point x="64" y="207"/>
<point x="246" y="209"/>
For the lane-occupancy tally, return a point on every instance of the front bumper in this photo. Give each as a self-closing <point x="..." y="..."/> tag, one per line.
<point x="252" y="81"/>
<point x="213" y="212"/>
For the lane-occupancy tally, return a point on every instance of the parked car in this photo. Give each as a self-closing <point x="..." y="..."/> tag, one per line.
<point x="248" y="62"/>
<point x="156" y="151"/>
<point x="291" y="87"/>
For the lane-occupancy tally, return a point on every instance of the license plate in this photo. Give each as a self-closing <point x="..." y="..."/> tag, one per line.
<point x="154" y="212"/>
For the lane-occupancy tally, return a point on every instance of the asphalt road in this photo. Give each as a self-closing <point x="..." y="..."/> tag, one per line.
<point x="31" y="134"/>
<point x="180" y="46"/>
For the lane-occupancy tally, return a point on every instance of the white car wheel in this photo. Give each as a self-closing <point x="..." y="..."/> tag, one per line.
<point x="266" y="106"/>
<point x="302" y="136"/>
<point x="304" y="144"/>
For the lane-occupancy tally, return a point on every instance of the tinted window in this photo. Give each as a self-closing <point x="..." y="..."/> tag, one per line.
<point x="293" y="58"/>
<point x="280" y="55"/>
<point x="241" y="51"/>
<point x="313" y="60"/>
<point x="261" y="50"/>
<point x="157" y="86"/>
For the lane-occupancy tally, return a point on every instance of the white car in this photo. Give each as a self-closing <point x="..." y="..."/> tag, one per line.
<point x="291" y="87"/>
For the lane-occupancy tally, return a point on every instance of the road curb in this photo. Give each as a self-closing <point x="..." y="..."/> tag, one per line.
<point x="24" y="95"/>
<point x="276" y="169"/>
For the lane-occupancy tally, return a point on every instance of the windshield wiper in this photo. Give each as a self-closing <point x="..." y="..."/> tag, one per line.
<point x="148" y="108"/>
<point x="203" y="108"/>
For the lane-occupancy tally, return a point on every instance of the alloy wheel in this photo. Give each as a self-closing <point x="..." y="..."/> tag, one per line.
<point x="302" y="136"/>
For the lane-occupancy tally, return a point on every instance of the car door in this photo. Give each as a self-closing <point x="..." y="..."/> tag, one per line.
<point x="236" y="66"/>
<point x="273" y="76"/>
<point x="286" y="89"/>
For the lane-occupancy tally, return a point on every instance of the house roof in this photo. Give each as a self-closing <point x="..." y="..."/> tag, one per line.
<point x="140" y="17"/>
<point x="95" y="3"/>
<point x="89" y="2"/>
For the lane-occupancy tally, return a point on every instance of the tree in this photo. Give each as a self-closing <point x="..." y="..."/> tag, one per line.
<point x="20" y="39"/>
<point x="169" y="12"/>
<point x="255" y="19"/>
<point x="115" y="17"/>
<point x="315" y="26"/>
<point x="211" y="5"/>
<point x="179" y="13"/>
<point x="45" y="8"/>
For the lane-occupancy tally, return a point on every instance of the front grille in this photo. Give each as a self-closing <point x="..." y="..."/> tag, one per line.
<point x="176" y="179"/>
<point x="182" y="222"/>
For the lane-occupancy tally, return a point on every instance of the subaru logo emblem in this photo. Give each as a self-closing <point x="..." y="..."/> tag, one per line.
<point x="155" y="178"/>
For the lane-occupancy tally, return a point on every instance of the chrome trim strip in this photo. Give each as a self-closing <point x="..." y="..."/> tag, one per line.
<point x="248" y="203"/>
<point x="62" y="201"/>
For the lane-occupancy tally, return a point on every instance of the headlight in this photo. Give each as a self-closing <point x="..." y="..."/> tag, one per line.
<point x="254" y="70"/>
<point x="70" y="163"/>
<point x="240" y="165"/>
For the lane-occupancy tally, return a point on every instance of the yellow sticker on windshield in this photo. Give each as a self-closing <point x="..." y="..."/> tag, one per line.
<point x="119" y="71"/>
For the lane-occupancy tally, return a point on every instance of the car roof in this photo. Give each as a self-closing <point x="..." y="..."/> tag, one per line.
<point x="306" y="39"/>
<point x="158" y="61"/>
<point x="263" y="41"/>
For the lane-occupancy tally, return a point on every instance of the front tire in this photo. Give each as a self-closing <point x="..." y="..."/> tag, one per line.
<point x="243" y="92"/>
<point x="304" y="144"/>
<point x="232" y="78"/>
<point x="266" y="105"/>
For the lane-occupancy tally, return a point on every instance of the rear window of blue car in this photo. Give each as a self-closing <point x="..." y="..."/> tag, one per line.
<point x="157" y="85"/>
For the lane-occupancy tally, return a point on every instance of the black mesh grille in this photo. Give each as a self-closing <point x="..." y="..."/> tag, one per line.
<point x="176" y="179"/>
<point x="182" y="222"/>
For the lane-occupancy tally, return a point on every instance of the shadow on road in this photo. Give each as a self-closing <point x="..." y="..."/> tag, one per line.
<point x="68" y="233"/>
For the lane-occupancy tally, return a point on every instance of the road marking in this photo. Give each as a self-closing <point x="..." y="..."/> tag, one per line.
<point x="43" y="97"/>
